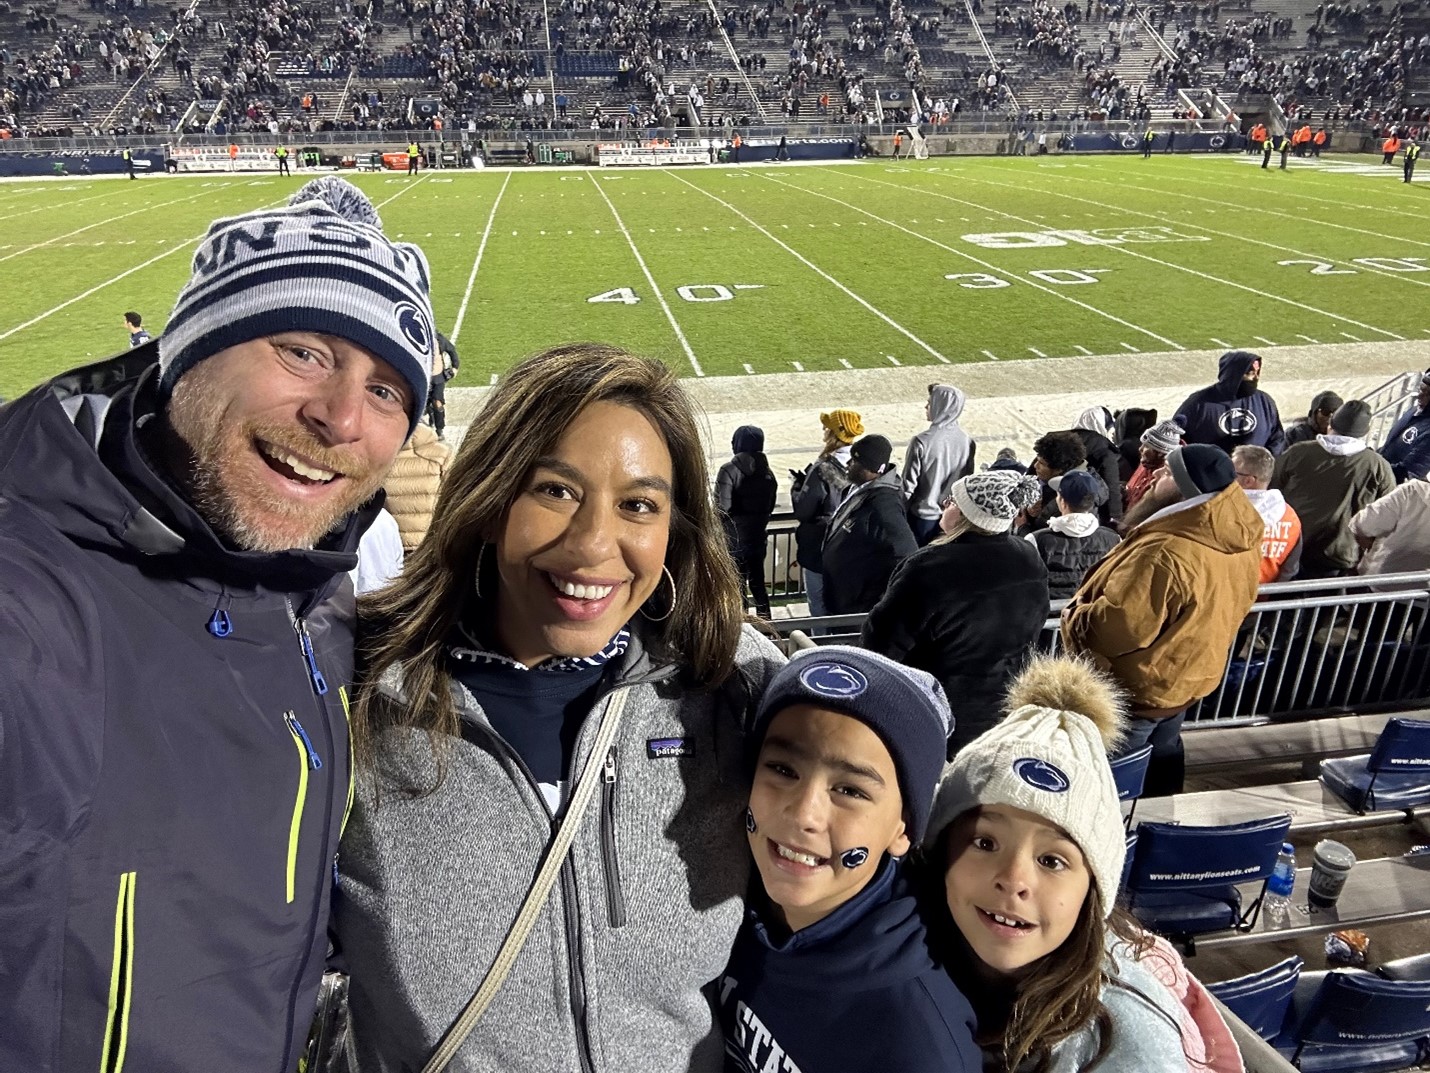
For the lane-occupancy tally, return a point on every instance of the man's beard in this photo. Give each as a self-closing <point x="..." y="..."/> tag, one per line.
<point x="234" y="501"/>
<point x="1247" y="388"/>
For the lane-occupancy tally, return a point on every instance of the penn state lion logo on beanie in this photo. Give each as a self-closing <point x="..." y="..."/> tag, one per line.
<point x="319" y="264"/>
<point x="1049" y="757"/>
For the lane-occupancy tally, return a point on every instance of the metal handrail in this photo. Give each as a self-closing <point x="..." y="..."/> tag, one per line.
<point x="1351" y="643"/>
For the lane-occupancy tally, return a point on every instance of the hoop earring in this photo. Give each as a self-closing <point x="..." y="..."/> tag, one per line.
<point x="671" y="609"/>
<point x="477" y="580"/>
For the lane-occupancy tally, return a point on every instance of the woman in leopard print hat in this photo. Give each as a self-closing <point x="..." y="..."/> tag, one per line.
<point x="969" y="607"/>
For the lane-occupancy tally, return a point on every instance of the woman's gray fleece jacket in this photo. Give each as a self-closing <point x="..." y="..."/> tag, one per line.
<point x="644" y="916"/>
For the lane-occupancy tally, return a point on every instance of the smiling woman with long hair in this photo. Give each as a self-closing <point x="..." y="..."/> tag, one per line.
<point x="574" y="555"/>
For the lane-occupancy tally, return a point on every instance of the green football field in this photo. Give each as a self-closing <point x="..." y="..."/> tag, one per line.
<point x="765" y="268"/>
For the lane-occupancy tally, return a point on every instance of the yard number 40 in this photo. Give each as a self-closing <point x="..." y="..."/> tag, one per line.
<point x="691" y="292"/>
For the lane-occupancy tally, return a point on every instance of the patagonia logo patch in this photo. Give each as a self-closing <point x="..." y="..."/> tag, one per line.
<point x="666" y="748"/>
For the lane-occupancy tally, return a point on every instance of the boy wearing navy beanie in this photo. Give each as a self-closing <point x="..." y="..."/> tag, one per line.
<point x="831" y="969"/>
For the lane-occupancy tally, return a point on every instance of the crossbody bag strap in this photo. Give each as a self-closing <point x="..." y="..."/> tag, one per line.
<point x="540" y="890"/>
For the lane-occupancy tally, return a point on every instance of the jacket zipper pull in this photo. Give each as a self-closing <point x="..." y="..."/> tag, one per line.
<point x="220" y="625"/>
<point x="608" y="773"/>
<point x="320" y="684"/>
<point x="314" y="760"/>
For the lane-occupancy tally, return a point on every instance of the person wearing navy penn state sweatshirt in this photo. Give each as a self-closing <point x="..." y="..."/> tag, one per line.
<point x="1233" y="411"/>
<point x="831" y="969"/>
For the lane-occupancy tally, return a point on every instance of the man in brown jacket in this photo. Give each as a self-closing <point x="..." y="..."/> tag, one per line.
<point x="1161" y="611"/>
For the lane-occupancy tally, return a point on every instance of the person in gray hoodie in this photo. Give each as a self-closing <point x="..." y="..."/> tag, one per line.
<point x="575" y="557"/>
<point x="936" y="457"/>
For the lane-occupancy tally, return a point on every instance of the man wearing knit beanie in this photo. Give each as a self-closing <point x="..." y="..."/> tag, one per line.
<point x="1152" y="450"/>
<point x="176" y="527"/>
<point x="1327" y="481"/>
<point x="1160" y="612"/>
<point x="816" y="494"/>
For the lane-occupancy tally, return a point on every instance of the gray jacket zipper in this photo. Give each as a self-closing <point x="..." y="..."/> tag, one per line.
<point x="615" y="896"/>
<point x="575" y="978"/>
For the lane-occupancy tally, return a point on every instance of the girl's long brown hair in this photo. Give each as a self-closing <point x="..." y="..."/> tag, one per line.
<point x="1057" y="999"/>
<point x="406" y="624"/>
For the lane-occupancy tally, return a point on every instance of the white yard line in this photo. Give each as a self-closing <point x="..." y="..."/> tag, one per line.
<point x="992" y="268"/>
<point x="389" y="200"/>
<point x="1220" y="342"/>
<point x="1263" y="339"/>
<point x="102" y="223"/>
<point x="1300" y="221"/>
<point x="1286" y="192"/>
<point x="813" y="267"/>
<point x="115" y="279"/>
<point x="669" y="315"/>
<point x="1124" y="251"/>
<point x="70" y="205"/>
<point x="481" y="248"/>
<point x="1309" y="339"/>
<point x="1038" y="352"/>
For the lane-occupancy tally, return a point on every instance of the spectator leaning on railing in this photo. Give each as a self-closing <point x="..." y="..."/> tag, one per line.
<point x="1161" y="611"/>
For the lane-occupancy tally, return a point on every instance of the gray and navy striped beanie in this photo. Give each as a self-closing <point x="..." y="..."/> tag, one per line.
<point x="320" y="264"/>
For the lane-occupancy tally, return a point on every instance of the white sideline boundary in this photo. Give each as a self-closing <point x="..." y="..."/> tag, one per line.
<point x="660" y="297"/>
<point x="988" y="266"/>
<point x="813" y="267"/>
<point x="481" y="249"/>
<point x="1150" y="259"/>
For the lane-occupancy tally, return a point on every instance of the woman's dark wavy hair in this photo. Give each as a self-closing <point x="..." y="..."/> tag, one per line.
<point x="405" y="625"/>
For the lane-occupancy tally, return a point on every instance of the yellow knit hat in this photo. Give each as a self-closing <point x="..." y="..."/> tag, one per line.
<point x="846" y="425"/>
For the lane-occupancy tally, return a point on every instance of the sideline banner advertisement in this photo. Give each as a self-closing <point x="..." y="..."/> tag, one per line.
<point x="77" y="162"/>
<point x="1132" y="142"/>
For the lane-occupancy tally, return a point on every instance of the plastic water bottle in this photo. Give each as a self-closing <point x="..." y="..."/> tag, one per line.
<point x="1276" y="904"/>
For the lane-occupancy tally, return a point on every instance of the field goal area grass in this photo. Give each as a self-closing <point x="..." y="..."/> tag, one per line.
<point x="743" y="270"/>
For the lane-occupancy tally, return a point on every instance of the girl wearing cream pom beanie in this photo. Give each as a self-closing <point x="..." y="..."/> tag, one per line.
<point x="1026" y="834"/>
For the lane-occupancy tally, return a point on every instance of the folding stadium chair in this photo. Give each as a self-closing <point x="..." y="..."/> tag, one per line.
<point x="1129" y="773"/>
<point x="1355" y="1022"/>
<point x="1127" y="866"/>
<point x="1415" y="967"/>
<point x="1261" y="999"/>
<point x="1185" y="880"/>
<point x="1395" y="775"/>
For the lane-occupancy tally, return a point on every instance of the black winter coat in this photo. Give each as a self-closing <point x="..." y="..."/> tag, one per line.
<point x="1103" y="459"/>
<point x="868" y="537"/>
<point x="745" y="492"/>
<point x="815" y="497"/>
<point x="173" y="755"/>
<point x="966" y="612"/>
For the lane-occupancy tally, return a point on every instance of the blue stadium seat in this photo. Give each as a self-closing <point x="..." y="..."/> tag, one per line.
<point x="1261" y="999"/>
<point x="1351" y="1021"/>
<point x="1185" y="880"/>
<point x="1396" y="773"/>
<point x="1129" y="773"/>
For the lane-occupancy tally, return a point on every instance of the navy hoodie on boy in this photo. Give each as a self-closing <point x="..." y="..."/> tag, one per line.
<point x="858" y="992"/>
<point x="1218" y="415"/>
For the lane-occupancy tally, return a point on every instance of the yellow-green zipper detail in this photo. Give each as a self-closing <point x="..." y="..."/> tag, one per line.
<point x="352" y="774"/>
<point x="296" y="824"/>
<point x="121" y="978"/>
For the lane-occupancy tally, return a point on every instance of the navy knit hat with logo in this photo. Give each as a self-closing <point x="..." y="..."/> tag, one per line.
<point x="904" y="706"/>
<point x="319" y="264"/>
